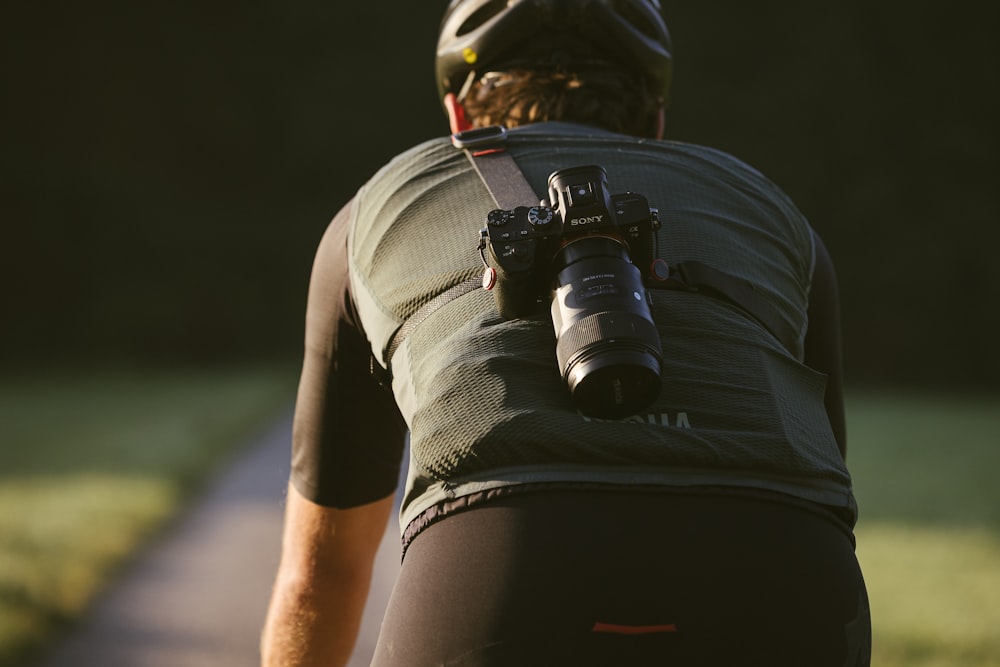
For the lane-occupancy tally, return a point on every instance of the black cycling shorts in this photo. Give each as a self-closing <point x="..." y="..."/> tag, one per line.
<point x="629" y="578"/>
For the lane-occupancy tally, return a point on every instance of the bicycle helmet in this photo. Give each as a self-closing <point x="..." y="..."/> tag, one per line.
<point x="481" y="35"/>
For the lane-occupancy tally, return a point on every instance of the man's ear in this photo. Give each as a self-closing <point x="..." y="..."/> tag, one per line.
<point x="456" y="114"/>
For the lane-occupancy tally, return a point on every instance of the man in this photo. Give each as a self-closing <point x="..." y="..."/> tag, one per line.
<point x="709" y="523"/>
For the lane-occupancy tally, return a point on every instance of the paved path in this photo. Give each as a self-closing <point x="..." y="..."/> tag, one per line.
<point x="197" y="597"/>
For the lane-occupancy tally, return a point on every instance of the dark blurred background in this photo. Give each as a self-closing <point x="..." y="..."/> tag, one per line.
<point x="168" y="168"/>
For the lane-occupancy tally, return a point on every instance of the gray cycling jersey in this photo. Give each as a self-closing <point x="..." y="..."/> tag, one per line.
<point x="483" y="397"/>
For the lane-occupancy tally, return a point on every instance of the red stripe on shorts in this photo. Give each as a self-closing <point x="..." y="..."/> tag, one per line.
<point x="632" y="629"/>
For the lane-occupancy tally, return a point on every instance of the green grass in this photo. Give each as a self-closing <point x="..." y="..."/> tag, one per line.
<point x="925" y="473"/>
<point x="92" y="464"/>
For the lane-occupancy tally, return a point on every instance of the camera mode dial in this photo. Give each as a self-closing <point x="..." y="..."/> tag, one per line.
<point x="497" y="218"/>
<point x="540" y="216"/>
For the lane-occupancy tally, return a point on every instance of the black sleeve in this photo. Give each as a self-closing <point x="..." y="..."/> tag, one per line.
<point x="348" y="435"/>
<point x="823" y="339"/>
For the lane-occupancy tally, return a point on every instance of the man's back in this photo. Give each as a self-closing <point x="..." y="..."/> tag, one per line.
<point x="483" y="396"/>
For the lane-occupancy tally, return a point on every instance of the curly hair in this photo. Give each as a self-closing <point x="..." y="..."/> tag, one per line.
<point x="603" y="96"/>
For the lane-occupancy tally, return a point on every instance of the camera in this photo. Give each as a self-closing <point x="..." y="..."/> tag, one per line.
<point x="588" y="253"/>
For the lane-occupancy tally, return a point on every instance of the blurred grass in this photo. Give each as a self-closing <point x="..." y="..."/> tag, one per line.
<point x="92" y="463"/>
<point x="935" y="595"/>
<point x="924" y="470"/>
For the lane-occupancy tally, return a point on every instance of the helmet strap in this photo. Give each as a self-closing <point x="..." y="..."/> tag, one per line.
<point x="661" y="120"/>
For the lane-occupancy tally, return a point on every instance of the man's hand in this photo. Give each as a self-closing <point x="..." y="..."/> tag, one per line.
<point x="322" y="583"/>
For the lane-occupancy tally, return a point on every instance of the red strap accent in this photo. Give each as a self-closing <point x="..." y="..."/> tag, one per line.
<point x="632" y="629"/>
<point x="456" y="114"/>
<point x="487" y="151"/>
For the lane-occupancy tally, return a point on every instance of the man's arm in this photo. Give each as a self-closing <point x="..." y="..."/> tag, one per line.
<point x="823" y="340"/>
<point x="347" y="442"/>
<point x="322" y="583"/>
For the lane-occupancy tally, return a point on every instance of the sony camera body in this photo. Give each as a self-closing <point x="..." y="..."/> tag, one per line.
<point x="588" y="252"/>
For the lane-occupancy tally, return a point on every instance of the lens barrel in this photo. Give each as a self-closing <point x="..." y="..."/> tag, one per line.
<point x="607" y="346"/>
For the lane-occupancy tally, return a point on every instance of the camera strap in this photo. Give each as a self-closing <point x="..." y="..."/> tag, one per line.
<point x="496" y="166"/>
<point x="698" y="277"/>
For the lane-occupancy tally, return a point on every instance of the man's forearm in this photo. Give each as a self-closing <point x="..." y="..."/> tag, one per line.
<point x="313" y="621"/>
<point x="322" y="584"/>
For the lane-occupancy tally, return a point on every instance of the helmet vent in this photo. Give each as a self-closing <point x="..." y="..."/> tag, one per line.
<point x="481" y="16"/>
<point x="637" y="19"/>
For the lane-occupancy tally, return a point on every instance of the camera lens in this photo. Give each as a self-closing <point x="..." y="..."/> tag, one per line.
<point x="607" y="345"/>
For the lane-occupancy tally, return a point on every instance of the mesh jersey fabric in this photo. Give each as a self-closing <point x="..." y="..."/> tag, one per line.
<point x="483" y="397"/>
